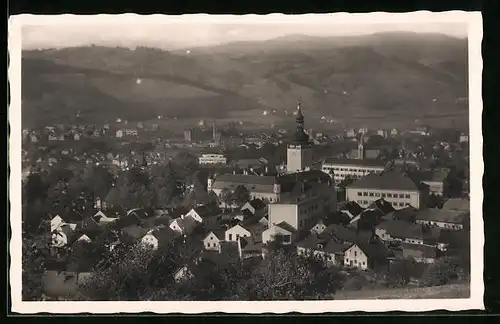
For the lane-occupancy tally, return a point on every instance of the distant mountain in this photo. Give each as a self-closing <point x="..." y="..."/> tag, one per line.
<point x="408" y="75"/>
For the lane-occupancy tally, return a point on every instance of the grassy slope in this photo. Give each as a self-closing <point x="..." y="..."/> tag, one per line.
<point x="446" y="291"/>
<point x="388" y="75"/>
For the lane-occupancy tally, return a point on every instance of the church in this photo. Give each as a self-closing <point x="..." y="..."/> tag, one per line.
<point x="298" y="173"/>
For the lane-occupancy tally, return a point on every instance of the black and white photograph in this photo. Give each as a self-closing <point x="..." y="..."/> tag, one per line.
<point x="250" y="164"/>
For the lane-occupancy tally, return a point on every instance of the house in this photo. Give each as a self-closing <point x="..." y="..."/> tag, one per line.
<point x="262" y="187"/>
<point x="235" y="232"/>
<point x="319" y="227"/>
<point x="208" y="215"/>
<point x="351" y="209"/>
<point x="183" y="225"/>
<point x="212" y="159"/>
<point x="443" y="218"/>
<point x="420" y="253"/>
<point x="367" y="220"/>
<point x="101" y="219"/>
<point x="158" y="237"/>
<point x="248" y="248"/>
<point x="341" y="169"/>
<point x="283" y="232"/>
<point x="382" y="205"/>
<point x="464" y="138"/>
<point x="133" y="232"/>
<point x="396" y="230"/>
<point x="56" y="222"/>
<point x="303" y="208"/>
<point x="398" y="188"/>
<point x="331" y="252"/>
<point x="183" y="273"/>
<point x="212" y="241"/>
<point x="367" y="254"/>
<point x="435" y="179"/>
<point x="339" y="233"/>
<point x="407" y="214"/>
<point x="254" y="206"/>
<point x="119" y="133"/>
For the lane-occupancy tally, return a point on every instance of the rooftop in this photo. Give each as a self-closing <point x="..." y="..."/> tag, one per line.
<point x="442" y="215"/>
<point x="355" y="162"/>
<point x="391" y="180"/>
<point x="457" y="204"/>
<point x="402" y="229"/>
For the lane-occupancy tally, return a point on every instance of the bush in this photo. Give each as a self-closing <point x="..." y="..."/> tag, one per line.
<point x="442" y="272"/>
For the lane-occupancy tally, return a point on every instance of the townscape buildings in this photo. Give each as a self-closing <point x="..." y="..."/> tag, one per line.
<point x="386" y="213"/>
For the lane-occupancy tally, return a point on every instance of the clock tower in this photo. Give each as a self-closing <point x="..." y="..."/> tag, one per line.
<point x="299" y="150"/>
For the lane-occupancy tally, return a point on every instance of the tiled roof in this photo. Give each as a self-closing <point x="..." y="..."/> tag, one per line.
<point x="257" y="204"/>
<point x="382" y="205"/>
<point x="402" y="229"/>
<point x="442" y="215"/>
<point x="208" y="210"/>
<point x="355" y="162"/>
<point x="353" y="207"/>
<point x="374" y="249"/>
<point x="391" y="180"/>
<point x="286" y="226"/>
<point x="339" y="232"/>
<point x="252" y="182"/>
<point x="164" y="235"/>
<point x="405" y="214"/>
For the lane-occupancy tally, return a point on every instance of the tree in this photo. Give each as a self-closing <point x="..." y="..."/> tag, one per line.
<point x="241" y="195"/>
<point x="282" y="276"/>
<point x="226" y="197"/>
<point x="134" y="186"/>
<point x="35" y="251"/>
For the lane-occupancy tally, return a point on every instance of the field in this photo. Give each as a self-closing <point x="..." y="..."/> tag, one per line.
<point x="388" y="79"/>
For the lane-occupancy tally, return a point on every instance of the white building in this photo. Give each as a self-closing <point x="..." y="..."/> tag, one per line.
<point x="235" y="232"/>
<point x="299" y="151"/>
<point x="339" y="169"/>
<point x="398" y="188"/>
<point x="301" y="213"/>
<point x="212" y="158"/>
<point x="442" y="218"/>
<point x="212" y="241"/>
<point x="464" y="138"/>
<point x="286" y="233"/>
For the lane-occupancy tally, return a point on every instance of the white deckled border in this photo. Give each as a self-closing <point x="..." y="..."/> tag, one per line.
<point x="472" y="19"/>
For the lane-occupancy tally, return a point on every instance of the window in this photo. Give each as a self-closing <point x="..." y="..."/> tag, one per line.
<point x="364" y="263"/>
<point x="371" y="194"/>
<point x="394" y="204"/>
<point x="389" y="195"/>
<point x="377" y="194"/>
<point x="230" y="237"/>
<point x="401" y="195"/>
<point x="401" y="204"/>
<point x="365" y="193"/>
<point x="407" y="196"/>
<point x="360" y="193"/>
<point x="355" y="253"/>
<point x="383" y="195"/>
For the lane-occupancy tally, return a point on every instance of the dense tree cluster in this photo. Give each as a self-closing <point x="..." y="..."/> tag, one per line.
<point x="138" y="274"/>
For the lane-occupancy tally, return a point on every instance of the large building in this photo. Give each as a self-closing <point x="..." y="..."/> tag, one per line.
<point x="396" y="187"/>
<point x="304" y="207"/>
<point x="339" y="169"/>
<point x="299" y="150"/>
<point x="211" y="158"/>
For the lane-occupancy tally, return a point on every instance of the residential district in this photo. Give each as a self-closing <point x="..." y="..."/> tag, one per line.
<point x="361" y="200"/>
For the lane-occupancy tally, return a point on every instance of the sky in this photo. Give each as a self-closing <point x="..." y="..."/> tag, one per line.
<point x="184" y="35"/>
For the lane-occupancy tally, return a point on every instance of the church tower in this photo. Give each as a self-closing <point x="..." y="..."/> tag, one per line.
<point x="361" y="147"/>
<point x="299" y="151"/>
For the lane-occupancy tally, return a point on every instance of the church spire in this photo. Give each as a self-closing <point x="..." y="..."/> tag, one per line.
<point x="299" y="118"/>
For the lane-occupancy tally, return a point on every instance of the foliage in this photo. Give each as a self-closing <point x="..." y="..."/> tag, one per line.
<point x="35" y="250"/>
<point x="443" y="271"/>
<point x="226" y="197"/>
<point x="241" y="195"/>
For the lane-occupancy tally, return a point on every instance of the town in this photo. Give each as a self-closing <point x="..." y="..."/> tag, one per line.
<point x="371" y="207"/>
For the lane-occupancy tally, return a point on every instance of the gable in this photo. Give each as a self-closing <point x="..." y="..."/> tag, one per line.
<point x="238" y="229"/>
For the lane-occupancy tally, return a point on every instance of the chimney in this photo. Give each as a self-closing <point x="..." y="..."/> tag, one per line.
<point x="182" y="216"/>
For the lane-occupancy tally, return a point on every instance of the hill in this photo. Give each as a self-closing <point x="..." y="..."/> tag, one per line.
<point x="401" y="75"/>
